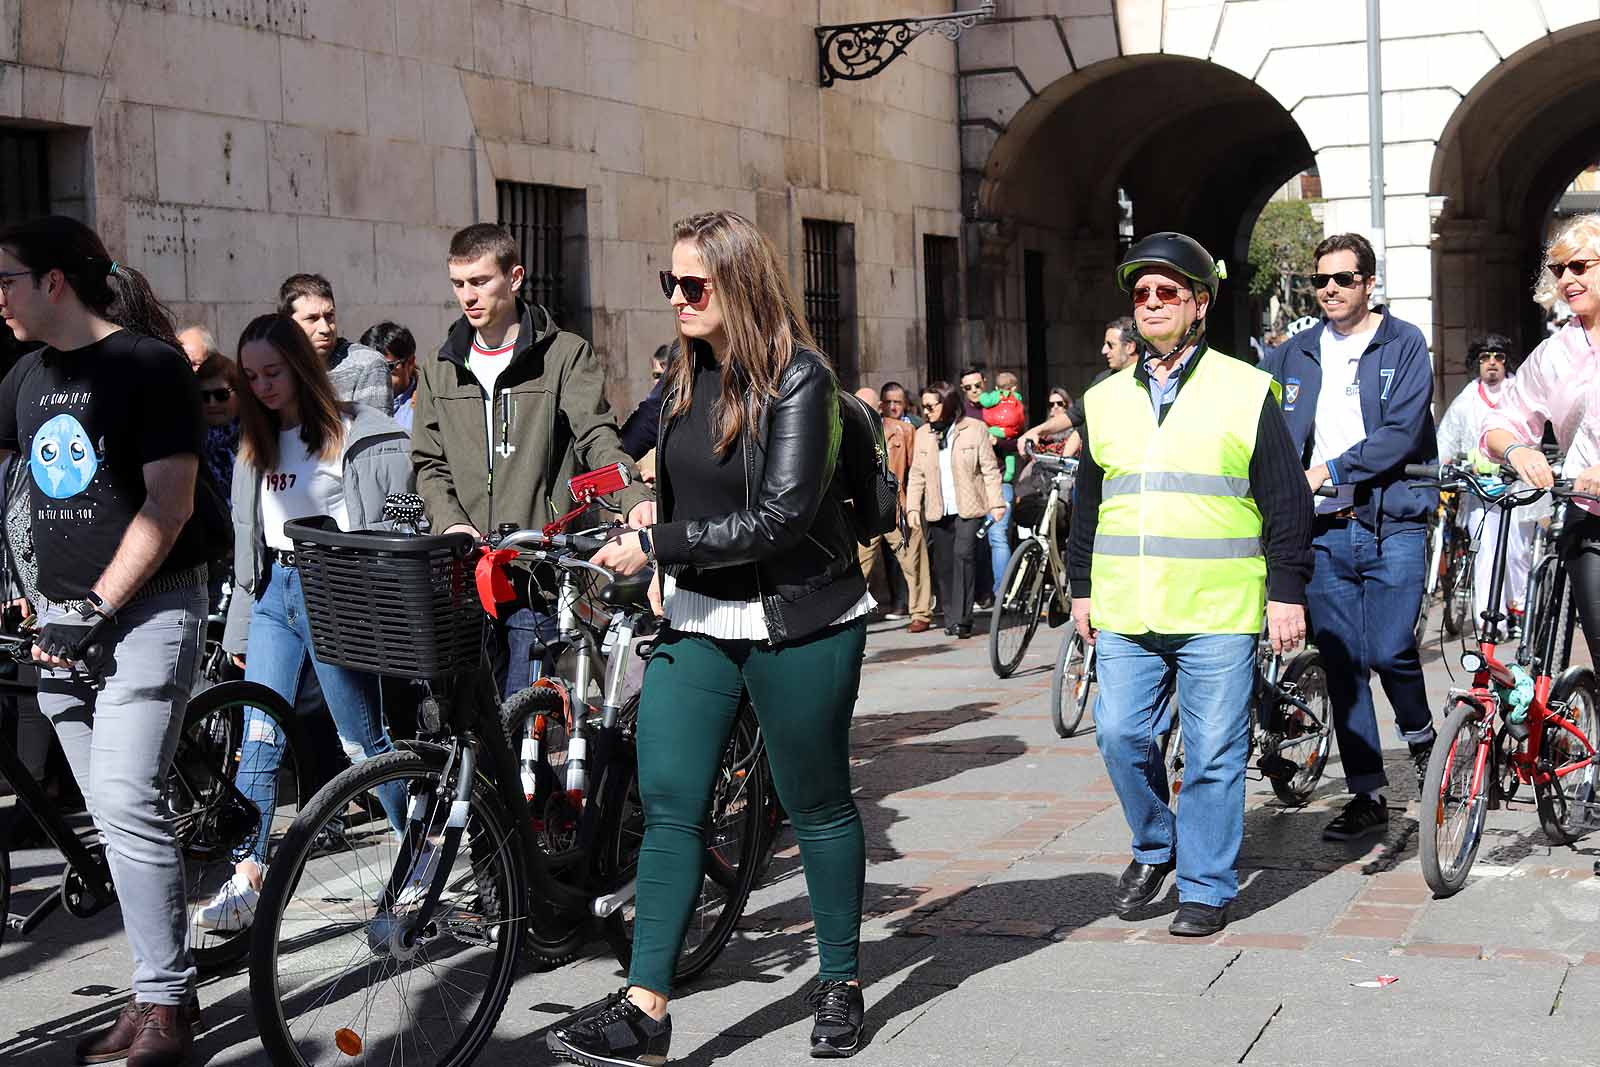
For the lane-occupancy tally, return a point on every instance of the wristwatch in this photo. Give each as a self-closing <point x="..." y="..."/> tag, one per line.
<point x="644" y="542"/>
<point x="95" y="605"/>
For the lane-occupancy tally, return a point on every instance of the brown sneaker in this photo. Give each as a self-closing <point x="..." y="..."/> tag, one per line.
<point x="918" y="626"/>
<point x="117" y="1041"/>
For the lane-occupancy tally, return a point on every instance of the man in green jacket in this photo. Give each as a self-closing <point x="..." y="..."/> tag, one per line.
<point x="511" y="409"/>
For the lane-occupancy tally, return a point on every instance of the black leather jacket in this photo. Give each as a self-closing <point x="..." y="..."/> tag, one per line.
<point x="793" y="525"/>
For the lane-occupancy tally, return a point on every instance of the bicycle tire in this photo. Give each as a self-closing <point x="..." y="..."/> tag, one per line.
<point x="1566" y="803"/>
<point x="1459" y="618"/>
<point x="1071" y="684"/>
<point x="5" y="890"/>
<point x="497" y="873"/>
<point x="1466" y="738"/>
<point x="1016" y="610"/>
<point x="1306" y="675"/>
<point x="737" y="837"/>
<point x="209" y="828"/>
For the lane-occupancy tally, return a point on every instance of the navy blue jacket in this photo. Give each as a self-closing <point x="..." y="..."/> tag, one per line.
<point x="638" y="434"/>
<point x="1396" y="380"/>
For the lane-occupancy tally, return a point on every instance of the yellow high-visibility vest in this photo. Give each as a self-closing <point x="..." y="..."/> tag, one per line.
<point x="1177" y="549"/>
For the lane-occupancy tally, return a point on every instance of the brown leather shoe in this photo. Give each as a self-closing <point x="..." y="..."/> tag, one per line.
<point x="119" y="1039"/>
<point x="164" y="1036"/>
<point x="918" y="626"/>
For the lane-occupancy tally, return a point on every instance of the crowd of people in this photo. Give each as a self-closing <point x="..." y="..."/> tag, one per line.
<point x="148" y="464"/>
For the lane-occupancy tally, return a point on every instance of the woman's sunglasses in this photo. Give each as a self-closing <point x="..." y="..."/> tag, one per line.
<point x="215" y="396"/>
<point x="1057" y="403"/>
<point x="1344" y="279"/>
<point x="694" y="289"/>
<point x="1577" y="266"/>
<point x="1167" y="294"/>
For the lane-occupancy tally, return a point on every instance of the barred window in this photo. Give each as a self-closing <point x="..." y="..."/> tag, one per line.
<point x="830" y="293"/>
<point x="549" y="224"/>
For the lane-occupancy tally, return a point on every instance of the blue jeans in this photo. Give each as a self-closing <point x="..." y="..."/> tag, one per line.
<point x="1361" y="604"/>
<point x="1214" y="675"/>
<point x="1000" y="538"/>
<point x="525" y="633"/>
<point x="279" y="646"/>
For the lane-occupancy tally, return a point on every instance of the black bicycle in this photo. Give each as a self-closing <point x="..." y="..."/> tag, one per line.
<point x="214" y="821"/>
<point x="401" y="942"/>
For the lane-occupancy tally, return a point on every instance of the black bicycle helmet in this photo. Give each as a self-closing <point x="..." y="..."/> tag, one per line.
<point x="1177" y="252"/>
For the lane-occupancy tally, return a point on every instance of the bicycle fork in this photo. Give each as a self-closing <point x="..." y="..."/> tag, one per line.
<point x="400" y="939"/>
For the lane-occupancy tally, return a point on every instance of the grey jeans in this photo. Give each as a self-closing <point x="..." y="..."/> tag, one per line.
<point x="120" y="742"/>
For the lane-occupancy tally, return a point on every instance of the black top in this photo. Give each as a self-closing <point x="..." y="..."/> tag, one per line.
<point x="87" y="421"/>
<point x="707" y="484"/>
<point x="1277" y="483"/>
<point x="1075" y="409"/>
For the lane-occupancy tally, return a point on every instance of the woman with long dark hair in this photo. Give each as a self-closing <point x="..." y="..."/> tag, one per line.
<point x="955" y="479"/>
<point x="763" y="592"/>
<point x="301" y="452"/>
<point x="106" y="416"/>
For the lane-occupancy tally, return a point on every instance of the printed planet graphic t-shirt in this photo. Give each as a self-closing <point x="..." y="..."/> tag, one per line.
<point x="86" y="422"/>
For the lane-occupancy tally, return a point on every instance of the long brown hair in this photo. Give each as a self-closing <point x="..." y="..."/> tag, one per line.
<point x="760" y="315"/>
<point x="321" y="414"/>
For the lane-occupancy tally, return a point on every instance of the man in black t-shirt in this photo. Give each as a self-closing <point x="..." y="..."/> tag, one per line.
<point x="109" y="425"/>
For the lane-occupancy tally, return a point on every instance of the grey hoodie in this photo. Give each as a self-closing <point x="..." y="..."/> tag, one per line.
<point x="376" y="461"/>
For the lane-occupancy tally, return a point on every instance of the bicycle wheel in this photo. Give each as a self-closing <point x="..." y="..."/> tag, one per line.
<point x="1567" y="801"/>
<point x="5" y="890"/>
<point x="332" y="977"/>
<point x="1304" y="738"/>
<point x="1172" y="755"/>
<point x="736" y="841"/>
<point x="1455" y="799"/>
<point x="216" y="825"/>
<point x="1016" y="609"/>
<point x="1458" y="614"/>
<point x="1072" y="684"/>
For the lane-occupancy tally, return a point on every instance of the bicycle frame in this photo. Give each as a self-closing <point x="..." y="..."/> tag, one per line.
<point x="1045" y="534"/>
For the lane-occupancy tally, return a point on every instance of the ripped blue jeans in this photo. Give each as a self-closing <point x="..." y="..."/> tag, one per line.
<point x="280" y="645"/>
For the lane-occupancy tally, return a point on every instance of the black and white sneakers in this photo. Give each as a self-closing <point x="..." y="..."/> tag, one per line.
<point x="840" y="1016"/>
<point x="612" y="1032"/>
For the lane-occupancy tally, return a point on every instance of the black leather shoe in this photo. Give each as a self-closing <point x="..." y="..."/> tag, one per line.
<point x="840" y="1015"/>
<point x="611" y="1033"/>
<point x="1140" y="884"/>
<point x="1197" y="920"/>
<point x="964" y="631"/>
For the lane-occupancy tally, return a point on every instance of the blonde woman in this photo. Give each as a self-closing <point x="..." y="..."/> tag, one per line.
<point x="763" y="593"/>
<point x="1560" y="382"/>
<point x="955" y="480"/>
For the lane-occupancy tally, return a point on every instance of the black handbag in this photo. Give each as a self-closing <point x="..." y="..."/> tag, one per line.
<point x="873" y="491"/>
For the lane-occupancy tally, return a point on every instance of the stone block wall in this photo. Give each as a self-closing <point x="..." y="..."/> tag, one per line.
<point x="233" y="142"/>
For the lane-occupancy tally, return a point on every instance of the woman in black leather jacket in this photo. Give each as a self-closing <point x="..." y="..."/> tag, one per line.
<point x="760" y="583"/>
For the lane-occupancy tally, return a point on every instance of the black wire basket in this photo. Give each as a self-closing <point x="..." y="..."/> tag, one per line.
<point x="393" y="604"/>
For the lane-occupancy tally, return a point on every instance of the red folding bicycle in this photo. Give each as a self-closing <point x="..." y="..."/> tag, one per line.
<point x="1516" y="724"/>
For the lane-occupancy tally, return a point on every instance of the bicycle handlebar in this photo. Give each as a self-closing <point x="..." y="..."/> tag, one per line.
<point x="18" y="647"/>
<point x="560" y="550"/>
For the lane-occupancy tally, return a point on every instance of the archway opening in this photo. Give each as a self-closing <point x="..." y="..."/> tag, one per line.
<point x="1194" y="146"/>
<point x="1506" y="166"/>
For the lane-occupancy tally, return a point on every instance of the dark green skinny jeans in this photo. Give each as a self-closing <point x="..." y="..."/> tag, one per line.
<point x="804" y="694"/>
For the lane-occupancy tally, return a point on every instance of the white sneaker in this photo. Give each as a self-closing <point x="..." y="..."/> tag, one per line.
<point x="233" y="908"/>
<point x="421" y="877"/>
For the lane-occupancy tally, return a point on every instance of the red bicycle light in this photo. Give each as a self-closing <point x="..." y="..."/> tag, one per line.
<point x="494" y="585"/>
<point x="600" y="482"/>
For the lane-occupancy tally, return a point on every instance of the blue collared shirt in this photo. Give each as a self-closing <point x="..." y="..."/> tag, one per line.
<point x="1162" y="394"/>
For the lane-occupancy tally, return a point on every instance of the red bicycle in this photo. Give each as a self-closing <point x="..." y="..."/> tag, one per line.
<point x="1516" y="724"/>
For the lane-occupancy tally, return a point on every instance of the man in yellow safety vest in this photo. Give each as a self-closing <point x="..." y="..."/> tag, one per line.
<point x="1192" y="521"/>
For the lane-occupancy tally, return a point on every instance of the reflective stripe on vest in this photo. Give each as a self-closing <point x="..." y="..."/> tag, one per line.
<point x="1178" y="541"/>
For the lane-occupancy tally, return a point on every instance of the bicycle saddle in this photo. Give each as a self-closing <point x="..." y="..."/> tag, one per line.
<point x="632" y="592"/>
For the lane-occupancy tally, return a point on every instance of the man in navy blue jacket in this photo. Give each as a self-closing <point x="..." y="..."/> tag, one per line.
<point x="1357" y="395"/>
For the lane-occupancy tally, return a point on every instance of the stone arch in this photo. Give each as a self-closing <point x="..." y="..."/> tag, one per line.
<point x="1509" y="149"/>
<point x="1199" y="148"/>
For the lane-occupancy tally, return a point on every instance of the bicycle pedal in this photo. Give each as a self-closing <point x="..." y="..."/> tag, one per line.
<point x="1277" y="767"/>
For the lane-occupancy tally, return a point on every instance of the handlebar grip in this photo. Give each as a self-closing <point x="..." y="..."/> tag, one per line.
<point x="1422" y="470"/>
<point x="585" y="543"/>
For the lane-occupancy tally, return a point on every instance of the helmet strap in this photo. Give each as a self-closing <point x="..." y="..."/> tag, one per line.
<point x="1192" y="335"/>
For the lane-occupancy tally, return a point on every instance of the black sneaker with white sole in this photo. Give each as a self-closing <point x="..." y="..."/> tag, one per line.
<point x="613" y="1032"/>
<point x="1421" y="754"/>
<point x="1362" y="817"/>
<point x="841" y="1013"/>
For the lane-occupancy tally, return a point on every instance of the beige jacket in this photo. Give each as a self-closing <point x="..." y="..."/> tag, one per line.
<point x="974" y="470"/>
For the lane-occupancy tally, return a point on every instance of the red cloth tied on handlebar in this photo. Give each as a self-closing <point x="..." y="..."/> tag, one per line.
<point x="494" y="585"/>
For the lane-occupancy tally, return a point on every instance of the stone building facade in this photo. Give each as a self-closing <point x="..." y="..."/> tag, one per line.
<point x="222" y="145"/>
<point x="964" y="205"/>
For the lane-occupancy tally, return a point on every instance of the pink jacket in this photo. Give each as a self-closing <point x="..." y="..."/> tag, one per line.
<point x="1560" y="382"/>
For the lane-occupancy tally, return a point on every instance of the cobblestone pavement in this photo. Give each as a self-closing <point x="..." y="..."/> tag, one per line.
<point x="993" y="851"/>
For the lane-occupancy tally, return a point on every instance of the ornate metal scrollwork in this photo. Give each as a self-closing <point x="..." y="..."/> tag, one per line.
<point x="858" y="50"/>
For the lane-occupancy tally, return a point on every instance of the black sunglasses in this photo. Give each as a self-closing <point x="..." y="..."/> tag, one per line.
<point x="1577" y="266"/>
<point x="1344" y="279"/>
<point x="1491" y="354"/>
<point x="216" y="396"/>
<point x="694" y="289"/>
